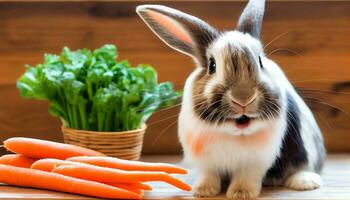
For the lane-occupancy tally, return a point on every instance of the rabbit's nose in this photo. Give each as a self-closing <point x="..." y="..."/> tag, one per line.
<point x="241" y="107"/>
<point x="243" y="97"/>
<point x="244" y="102"/>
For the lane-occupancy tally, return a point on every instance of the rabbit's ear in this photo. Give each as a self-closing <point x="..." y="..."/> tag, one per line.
<point x="179" y="30"/>
<point x="251" y="18"/>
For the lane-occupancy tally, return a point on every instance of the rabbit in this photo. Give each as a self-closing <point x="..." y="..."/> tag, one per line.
<point x="240" y="119"/>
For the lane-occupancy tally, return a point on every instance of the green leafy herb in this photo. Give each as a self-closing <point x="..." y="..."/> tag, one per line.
<point x="91" y="90"/>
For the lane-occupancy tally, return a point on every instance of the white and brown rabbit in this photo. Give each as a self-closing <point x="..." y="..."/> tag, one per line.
<point x="241" y="118"/>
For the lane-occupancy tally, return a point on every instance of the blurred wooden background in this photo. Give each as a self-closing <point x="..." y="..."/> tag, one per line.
<point x="318" y="32"/>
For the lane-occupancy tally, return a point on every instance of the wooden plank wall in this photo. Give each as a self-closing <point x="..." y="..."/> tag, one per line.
<point x="319" y="32"/>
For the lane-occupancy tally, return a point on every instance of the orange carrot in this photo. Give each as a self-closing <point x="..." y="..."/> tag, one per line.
<point x="137" y="185"/>
<point x="127" y="165"/>
<point x="36" y="148"/>
<point x="17" y="160"/>
<point x="128" y="187"/>
<point x="108" y="175"/>
<point x="44" y="180"/>
<point x="49" y="164"/>
<point x="141" y="186"/>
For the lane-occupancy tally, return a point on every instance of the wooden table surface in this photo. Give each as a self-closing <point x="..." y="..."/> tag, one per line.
<point x="336" y="178"/>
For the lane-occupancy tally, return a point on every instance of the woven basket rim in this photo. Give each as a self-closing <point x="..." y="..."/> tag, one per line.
<point x="142" y="129"/>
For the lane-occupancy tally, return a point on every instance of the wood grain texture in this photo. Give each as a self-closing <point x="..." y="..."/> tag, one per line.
<point x="318" y="31"/>
<point x="336" y="178"/>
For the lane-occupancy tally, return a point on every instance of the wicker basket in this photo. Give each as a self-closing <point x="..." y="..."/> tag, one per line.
<point x="124" y="144"/>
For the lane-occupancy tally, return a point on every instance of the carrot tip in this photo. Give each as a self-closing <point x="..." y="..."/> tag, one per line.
<point x="146" y="187"/>
<point x="183" y="172"/>
<point x="188" y="189"/>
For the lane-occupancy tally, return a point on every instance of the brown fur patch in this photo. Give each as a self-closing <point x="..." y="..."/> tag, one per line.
<point x="240" y="65"/>
<point x="202" y="106"/>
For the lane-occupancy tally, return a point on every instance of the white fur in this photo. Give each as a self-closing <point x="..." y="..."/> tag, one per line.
<point x="304" y="180"/>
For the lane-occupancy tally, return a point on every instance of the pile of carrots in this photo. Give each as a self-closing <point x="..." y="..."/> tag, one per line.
<point x="73" y="169"/>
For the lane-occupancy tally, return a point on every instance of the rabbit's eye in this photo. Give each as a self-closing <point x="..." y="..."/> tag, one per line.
<point x="211" y="66"/>
<point x="260" y="63"/>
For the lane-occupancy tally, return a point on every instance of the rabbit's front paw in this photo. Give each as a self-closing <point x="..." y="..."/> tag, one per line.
<point x="242" y="191"/>
<point x="207" y="187"/>
<point x="206" y="190"/>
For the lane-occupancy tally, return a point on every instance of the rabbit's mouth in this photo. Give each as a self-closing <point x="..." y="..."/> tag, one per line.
<point x="243" y="121"/>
